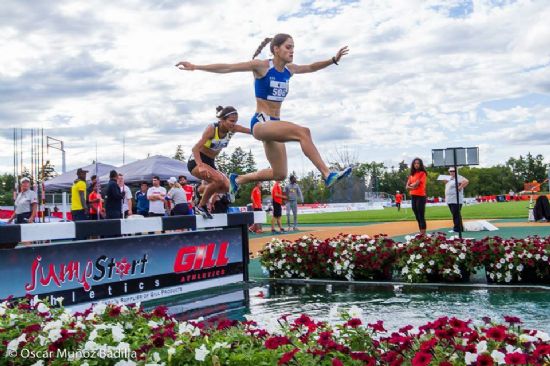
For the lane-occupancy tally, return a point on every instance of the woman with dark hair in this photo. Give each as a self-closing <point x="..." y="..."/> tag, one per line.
<point x="416" y="184"/>
<point x="271" y="82"/>
<point x="214" y="139"/>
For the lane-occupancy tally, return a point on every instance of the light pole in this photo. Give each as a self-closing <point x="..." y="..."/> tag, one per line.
<point x="58" y="145"/>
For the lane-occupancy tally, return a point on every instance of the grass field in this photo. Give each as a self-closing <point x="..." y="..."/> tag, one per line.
<point x="496" y="210"/>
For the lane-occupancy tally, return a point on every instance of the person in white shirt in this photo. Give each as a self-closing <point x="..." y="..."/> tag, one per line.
<point x="156" y="195"/>
<point x="26" y="204"/>
<point x="127" y="201"/>
<point x="454" y="202"/>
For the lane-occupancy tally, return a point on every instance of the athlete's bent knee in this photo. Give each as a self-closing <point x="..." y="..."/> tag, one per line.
<point x="306" y="132"/>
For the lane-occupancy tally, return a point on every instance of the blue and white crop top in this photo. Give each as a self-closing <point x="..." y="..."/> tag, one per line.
<point x="274" y="85"/>
<point x="216" y="143"/>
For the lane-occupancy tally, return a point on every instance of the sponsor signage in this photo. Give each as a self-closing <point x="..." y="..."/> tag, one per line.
<point x="85" y="271"/>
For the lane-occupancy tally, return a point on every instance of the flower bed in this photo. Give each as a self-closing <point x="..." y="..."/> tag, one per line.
<point x="343" y="257"/>
<point x="126" y="336"/>
<point x="430" y="258"/>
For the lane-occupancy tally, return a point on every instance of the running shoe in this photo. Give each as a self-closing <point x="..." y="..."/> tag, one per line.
<point x="203" y="211"/>
<point x="334" y="177"/>
<point x="233" y="185"/>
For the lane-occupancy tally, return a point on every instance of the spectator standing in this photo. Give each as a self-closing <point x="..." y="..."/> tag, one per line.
<point x="142" y="203"/>
<point x="398" y="200"/>
<point x="293" y="192"/>
<point x="256" y="197"/>
<point x="79" y="208"/>
<point x="96" y="203"/>
<point x="26" y="204"/>
<point x="113" y="197"/>
<point x="156" y="195"/>
<point x="455" y="203"/>
<point x="178" y="196"/>
<point x="416" y="184"/>
<point x="189" y="192"/>
<point x="127" y="201"/>
<point x="277" y="197"/>
<point x="90" y="188"/>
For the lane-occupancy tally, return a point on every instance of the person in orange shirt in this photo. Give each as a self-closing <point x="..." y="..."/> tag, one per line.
<point x="96" y="203"/>
<point x="256" y="197"/>
<point x="278" y="197"/>
<point x="416" y="184"/>
<point x="398" y="200"/>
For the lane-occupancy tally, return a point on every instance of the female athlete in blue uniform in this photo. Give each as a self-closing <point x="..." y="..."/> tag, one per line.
<point x="201" y="164"/>
<point x="271" y="87"/>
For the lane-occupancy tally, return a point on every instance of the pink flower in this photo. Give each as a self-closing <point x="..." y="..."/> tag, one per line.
<point x="422" y="359"/>
<point x="515" y="358"/>
<point x="497" y="333"/>
<point x="285" y="358"/>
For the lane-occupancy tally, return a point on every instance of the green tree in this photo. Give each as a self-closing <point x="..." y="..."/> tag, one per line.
<point x="179" y="154"/>
<point x="7" y="186"/>
<point x="223" y="163"/>
<point x="528" y="169"/>
<point x="48" y="170"/>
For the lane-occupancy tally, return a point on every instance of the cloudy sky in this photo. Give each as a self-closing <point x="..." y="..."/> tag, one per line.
<point x="420" y="75"/>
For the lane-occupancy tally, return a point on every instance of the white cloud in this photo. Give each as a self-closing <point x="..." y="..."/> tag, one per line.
<point x="417" y="76"/>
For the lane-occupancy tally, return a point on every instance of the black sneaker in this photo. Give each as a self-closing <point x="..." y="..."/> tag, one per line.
<point x="203" y="211"/>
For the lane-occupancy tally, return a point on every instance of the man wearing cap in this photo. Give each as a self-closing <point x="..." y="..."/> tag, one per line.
<point x="454" y="202"/>
<point x="26" y="204"/>
<point x="398" y="200"/>
<point x="79" y="207"/>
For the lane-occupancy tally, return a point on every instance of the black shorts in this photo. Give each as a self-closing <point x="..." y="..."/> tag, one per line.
<point x="192" y="164"/>
<point x="180" y="209"/>
<point x="277" y="210"/>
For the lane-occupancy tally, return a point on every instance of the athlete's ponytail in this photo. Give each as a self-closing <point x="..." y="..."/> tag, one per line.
<point x="224" y="112"/>
<point x="276" y="41"/>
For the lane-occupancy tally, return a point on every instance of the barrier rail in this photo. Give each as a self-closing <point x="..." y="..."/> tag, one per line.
<point x="121" y="266"/>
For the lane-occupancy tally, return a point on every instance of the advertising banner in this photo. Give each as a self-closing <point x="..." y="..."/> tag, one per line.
<point x="130" y="269"/>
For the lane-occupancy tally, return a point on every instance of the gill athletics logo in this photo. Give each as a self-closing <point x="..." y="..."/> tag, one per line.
<point x="201" y="257"/>
<point x="83" y="273"/>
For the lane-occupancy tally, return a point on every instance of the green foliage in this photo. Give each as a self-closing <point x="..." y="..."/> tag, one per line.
<point x="239" y="162"/>
<point x="7" y="184"/>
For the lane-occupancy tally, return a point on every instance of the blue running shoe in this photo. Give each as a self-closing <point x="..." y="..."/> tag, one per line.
<point x="334" y="177"/>
<point x="233" y="185"/>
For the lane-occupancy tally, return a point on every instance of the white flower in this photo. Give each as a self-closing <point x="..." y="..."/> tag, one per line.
<point x="201" y="353"/>
<point x="520" y="267"/>
<point x="171" y="351"/>
<point x="220" y="345"/>
<point x="118" y="333"/>
<point x="186" y="328"/>
<point x="125" y="363"/>
<point x="123" y="347"/>
<point x="544" y="258"/>
<point x="38" y="363"/>
<point x="99" y="308"/>
<point x="91" y="346"/>
<point x="421" y="265"/>
<point x="152" y="324"/>
<point x="511" y="266"/>
<point x="54" y="334"/>
<point x="42" y="308"/>
<point x="156" y="357"/>
<point x="299" y="260"/>
<point x="481" y="347"/>
<point x="511" y="349"/>
<point x="502" y="261"/>
<point x="499" y="266"/>
<point x="13" y="345"/>
<point x="405" y="270"/>
<point x="462" y="256"/>
<point x="523" y="338"/>
<point x="52" y="325"/>
<point x="470" y="358"/>
<point x="429" y="270"/>
<point x="431" y="263"/>
<point x="498" y="357"/>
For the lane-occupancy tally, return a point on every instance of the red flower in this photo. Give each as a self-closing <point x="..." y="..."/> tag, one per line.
<point x="497" y="333"/>
<point x="337" y="362"/>
<point x="378" y="326"/>
<point x="428" y="345"/>
<point x="422" y="359"/>
<point x="542" y="350"/>
<point x="260" y="294"/>
<point x="158" y="341"/>
<point x="445" y="363"/>
<point x="114" y="311"/>
<point x="285" y="358"/>
<point x="303" y="320"/>
<point x="515" y="358"/>
<point x="484" y="360"/>
<point x="354" y="322"/>
<point x="160" y="311"/>
<point x="275" y="342"/>
<point x="512" y="319"/>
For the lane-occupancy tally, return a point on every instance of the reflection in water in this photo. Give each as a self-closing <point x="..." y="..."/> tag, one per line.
<point x="396" y="305"/>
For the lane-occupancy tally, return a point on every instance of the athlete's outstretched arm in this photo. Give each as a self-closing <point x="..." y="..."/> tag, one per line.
<point x="316" y="66"/>
<point x="242" y="129"/>
<point x="252" y="65"/>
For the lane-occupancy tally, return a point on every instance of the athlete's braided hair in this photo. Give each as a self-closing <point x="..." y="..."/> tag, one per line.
<point x="276" y="41"/>
<point x="224" y="112"/>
